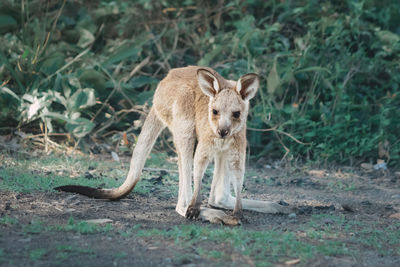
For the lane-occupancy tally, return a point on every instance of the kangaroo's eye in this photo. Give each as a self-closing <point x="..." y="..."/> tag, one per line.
<point x="236" y="114"/>
<point x="215" y="112"/>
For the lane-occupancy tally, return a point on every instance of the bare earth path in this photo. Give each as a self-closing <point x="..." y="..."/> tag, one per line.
<point x="353" y="213"/>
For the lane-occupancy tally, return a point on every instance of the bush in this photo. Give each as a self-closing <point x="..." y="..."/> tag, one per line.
<point x="330" y="69"/>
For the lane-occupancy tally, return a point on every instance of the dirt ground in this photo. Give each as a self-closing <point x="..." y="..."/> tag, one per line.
<point x="370" y="197"/>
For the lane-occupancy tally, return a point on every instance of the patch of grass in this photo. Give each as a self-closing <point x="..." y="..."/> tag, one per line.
<point x="121" y="255"/>
<point x="35" y="227"/>
<point x="273" y="246"/>
<point x="83" y="227"/>
<point x="65" y="251"/>
<point x="8" y="220"/>
<point x="130" y="231"/>
<point x="21" y="175"/>
<point x="37" y="254"/>
<point x="384" y="239"/>
<point x="341" y="186"/>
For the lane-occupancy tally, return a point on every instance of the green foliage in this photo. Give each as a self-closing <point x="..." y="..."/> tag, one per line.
<point x="37" y="254"/>
<point x="330" y="69"/>
<point x="262" y="246"/>
<point x="67" y="251"/>
<point x="8" y="220"/>
<point x="83" y="227"/>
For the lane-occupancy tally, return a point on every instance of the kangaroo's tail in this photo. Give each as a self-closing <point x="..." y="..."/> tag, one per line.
<point x="150" y="131"/>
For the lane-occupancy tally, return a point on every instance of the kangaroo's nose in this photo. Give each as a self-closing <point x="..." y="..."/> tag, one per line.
<point x="223" y="132"/>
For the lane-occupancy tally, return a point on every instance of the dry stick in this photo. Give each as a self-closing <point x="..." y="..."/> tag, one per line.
<point x="158" y="46"/>
<point x="68" y="64"/>
<point x="48" y="134"/>
<point x="274" y="129"/>
<point x="46" y="144"/>
<point x="284" y="147"/>
<point x="41" y="50"/>
<point x="104" y="104"/>
<point x="133" y="109"/>
<point x="137" y="68"/>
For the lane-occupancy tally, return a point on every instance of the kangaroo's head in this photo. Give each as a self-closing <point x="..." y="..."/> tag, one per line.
<point x="229" y="101"/>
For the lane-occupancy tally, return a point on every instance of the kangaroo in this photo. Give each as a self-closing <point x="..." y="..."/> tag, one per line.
<point x="198" y="105"/>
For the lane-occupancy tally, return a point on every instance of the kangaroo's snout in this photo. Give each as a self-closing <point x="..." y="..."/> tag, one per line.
<point x="223" y="132"/>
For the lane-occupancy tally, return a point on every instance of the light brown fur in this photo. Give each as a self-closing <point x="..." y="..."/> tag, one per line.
<point x="197" y="104"/>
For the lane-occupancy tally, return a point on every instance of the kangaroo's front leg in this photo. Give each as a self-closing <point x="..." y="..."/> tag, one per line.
<point x="237" y="165"/>
<point x="201" y="160"/>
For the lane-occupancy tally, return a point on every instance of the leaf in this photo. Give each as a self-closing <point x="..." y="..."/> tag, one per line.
<point x="140" y="81"/>
<point x="388" y="37"/>
<point x="80" y="127"/>
<point x="86" y="38"/>
<point x="34" y="108"/>
<point x="93" y="79"/>
<point x="7" y="23"/>
<point x="81" y="99"/>
<point x="123" y="54"/>
<point x="8" y="91"/>
<point x="314" y="68"/>
<point x="52" y="63"/>
<point x="273" y="80"/>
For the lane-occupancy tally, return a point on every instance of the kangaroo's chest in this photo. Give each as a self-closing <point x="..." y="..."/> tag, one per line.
<point x="221" y="145"/>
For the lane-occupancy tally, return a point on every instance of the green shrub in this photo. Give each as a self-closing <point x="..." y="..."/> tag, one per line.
<point x="330" y="69"/>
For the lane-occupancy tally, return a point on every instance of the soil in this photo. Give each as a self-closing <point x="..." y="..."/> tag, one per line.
<point x="370" y="197"/>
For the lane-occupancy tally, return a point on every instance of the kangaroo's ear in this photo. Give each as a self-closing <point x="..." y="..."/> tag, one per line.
<point x="208" y="83"/>
<point x="247" y="86"/>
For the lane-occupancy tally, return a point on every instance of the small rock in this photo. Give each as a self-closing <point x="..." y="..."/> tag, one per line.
<point x="366" y="203"/>
<point x="397" y="196"/>
<point x="88" y="175"/>
<point x="347" y="207"/>
<point x="69" y="210"/>
<point x="292" y="215"/>
<point x="367" y="166"/>
<point x="7" y="206"/>
<point x="328" y="221"/>
<point x="114" y="156"/>
<point x="380" y="166"/>
<point x="395" y="216"/>
<point x="317" y="173"/>
<point x="283" y="203"/>
<point x="292" y="262"/>
<point x="99" y="221"/>
<point x="389" y="207"/>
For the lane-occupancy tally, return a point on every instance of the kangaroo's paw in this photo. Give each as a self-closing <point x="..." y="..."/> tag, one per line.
<point x="192" y="212"/>
<point x="218" y="217"/>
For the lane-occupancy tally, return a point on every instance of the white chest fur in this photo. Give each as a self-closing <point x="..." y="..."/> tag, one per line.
<point x="222" y="144"/>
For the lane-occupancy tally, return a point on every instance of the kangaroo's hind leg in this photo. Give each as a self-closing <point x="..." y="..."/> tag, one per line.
<point x="184" y="140"/>
<point x="221" y="196"/>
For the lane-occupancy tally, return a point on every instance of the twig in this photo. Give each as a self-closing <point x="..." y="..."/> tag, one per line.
<point x="287" y="150"/>
<point x="137" y="68"/>
<point x="134" y="109"/>
<point x="68" y="64"/>
<point x="48" y="134"/>
<point x="158" y="46"/>
<point x="274" y="129"/>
